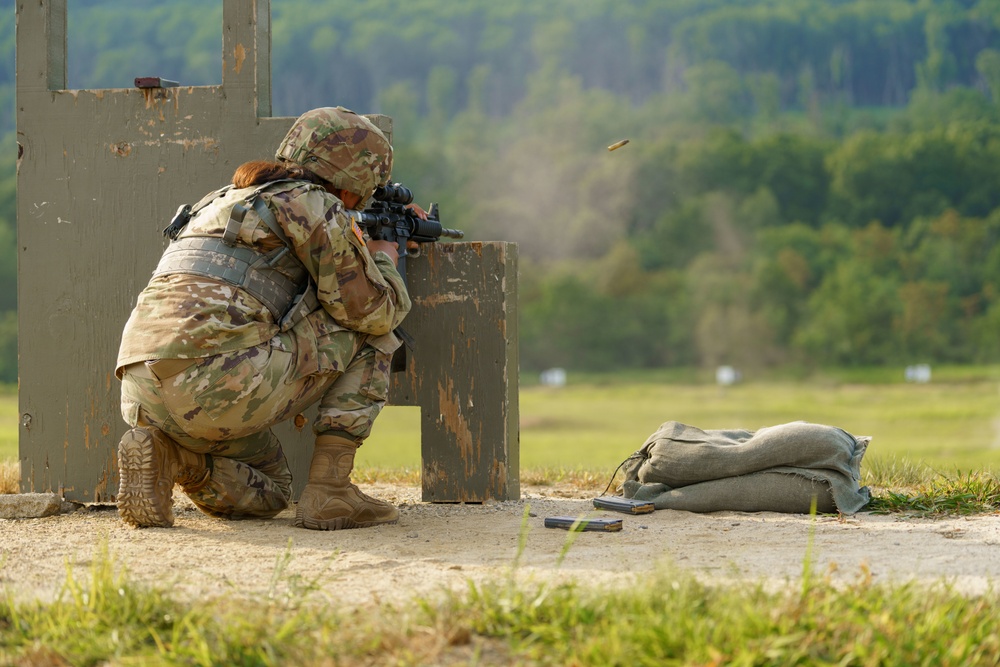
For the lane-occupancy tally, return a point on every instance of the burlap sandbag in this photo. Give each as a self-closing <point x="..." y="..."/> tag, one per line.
<point x="775" y="469"/>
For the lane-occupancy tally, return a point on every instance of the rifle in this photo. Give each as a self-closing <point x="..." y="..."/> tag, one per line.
<point x="386" y="218"/>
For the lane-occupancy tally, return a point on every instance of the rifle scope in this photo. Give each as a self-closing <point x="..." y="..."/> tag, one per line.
<point x="394" y="193"/>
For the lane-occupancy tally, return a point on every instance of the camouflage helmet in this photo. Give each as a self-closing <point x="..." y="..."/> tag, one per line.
<point x="341" y="147"/>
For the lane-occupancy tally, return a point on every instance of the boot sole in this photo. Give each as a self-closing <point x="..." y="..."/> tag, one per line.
<point x="137" y="504"/>
<point x="341" y="523"/>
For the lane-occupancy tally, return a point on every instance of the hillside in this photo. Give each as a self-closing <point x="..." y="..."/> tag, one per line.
<point x="807" y="181"/>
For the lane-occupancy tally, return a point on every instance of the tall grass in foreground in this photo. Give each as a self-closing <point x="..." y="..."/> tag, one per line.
<point x="667" y="619"/>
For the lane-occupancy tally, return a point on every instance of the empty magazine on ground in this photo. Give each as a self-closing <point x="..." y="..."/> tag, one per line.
<point x="626" y="505"/>
<point x="579" y="524"/>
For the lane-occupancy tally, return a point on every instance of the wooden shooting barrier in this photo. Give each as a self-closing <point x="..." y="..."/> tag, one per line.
<point x="101" y="172"/>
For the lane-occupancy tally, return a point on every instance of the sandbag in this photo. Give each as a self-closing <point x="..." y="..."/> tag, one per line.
<point x="776" y="469"/>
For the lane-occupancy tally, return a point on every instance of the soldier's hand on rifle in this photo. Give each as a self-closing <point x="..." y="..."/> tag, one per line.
<point x="388" y="247"/>
<point x="421" y="213"/>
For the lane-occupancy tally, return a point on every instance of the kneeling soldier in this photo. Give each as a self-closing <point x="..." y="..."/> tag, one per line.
<point x="268" y="299"/>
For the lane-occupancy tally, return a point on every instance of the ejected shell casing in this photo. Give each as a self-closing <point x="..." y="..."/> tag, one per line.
<point x="618" y="144"/>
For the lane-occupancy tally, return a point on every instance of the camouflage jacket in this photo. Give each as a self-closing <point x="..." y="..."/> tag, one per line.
<point x="183" y="316"/>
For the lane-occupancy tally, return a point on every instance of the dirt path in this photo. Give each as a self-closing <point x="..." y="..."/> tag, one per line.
<point x="434" y="547"/>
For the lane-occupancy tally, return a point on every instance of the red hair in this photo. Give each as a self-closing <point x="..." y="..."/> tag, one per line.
<point x="257" y="172"/>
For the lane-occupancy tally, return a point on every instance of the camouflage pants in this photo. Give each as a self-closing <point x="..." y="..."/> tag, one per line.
<point x="225" y="405"/>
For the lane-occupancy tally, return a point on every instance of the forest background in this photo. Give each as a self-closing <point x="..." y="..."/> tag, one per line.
<point x="807" y="183"/>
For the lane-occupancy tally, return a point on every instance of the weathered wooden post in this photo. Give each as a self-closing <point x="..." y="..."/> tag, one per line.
<point x="101" y="173"/>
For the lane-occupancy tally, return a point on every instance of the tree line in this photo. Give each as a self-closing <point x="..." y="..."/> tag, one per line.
<point x="701" y="243"/>
<point x="806" y="181"/>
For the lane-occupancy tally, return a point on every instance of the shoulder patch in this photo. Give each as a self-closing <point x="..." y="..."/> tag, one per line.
<point x="357" y="231"/>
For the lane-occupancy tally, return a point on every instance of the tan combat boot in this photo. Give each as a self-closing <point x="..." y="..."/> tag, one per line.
<point x="330" y="501"/>
<point x="150" y="463"/>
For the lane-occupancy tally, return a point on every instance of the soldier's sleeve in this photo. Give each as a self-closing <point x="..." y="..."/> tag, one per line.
<point x="360" y="292"/>
<point x="391" y="275"/>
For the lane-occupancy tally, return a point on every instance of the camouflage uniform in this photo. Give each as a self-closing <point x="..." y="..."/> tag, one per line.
<point x="244" y="374"/>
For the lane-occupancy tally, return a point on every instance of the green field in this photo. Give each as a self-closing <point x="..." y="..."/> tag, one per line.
<point x="593" y="424"/>
<point x="946" y="425"/>
<point x="8" y="423"/>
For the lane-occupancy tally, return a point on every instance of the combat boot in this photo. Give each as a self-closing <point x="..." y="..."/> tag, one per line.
<point x="150" y="463"/>
<point x="330" y="501"/>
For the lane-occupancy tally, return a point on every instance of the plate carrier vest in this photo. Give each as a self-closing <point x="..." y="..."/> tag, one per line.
<point x="276" y="278"/>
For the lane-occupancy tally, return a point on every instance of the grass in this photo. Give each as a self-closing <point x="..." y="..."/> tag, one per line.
<point x="969" y="493"/>
<point x="594" y="423"/>
<point x="924" y="435"/>
<point x="671" y="619"/>
<point x="10" y="476"/>
<point x="8" y="423"/>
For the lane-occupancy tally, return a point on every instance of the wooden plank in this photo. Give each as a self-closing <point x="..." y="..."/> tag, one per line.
<point x="101" y="174"/>
<point x="463" y="370"/>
